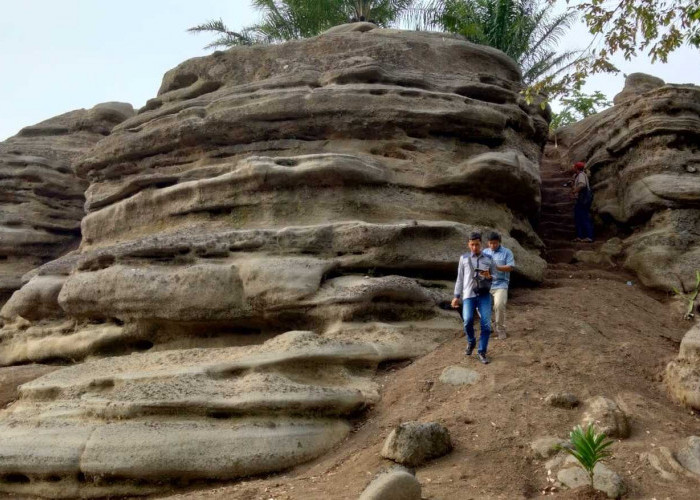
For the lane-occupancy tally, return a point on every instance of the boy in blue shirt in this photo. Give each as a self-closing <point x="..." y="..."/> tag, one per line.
<point x="504" y="261"/>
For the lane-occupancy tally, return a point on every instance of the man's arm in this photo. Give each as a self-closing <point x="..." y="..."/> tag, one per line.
<point x="459" y="284"/>
<point x="578" y="184"/>
<point x="510" y="263"/>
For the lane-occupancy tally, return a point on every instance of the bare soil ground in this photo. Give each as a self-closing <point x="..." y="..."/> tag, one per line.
<point x="586" y="331"/>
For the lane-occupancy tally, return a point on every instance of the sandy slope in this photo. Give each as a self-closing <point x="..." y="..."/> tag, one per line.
<point x="590" y="334"/>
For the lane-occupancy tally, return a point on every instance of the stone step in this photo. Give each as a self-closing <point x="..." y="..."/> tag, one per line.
<point x="584" y="274"/>
<point x="558" y="204"/>
<point x="560" y="224"/>
<point x="560" y="255"/>
<point x="555" y="180"/>
<point x="562" y="218"/>
<point x="556" y="243"/>
<point x="558" y="234"/>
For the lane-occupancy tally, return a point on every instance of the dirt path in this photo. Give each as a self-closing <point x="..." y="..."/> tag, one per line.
<point x="586" y="331"/>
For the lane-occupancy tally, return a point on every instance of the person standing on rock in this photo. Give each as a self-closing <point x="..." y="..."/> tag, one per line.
<point x="581" y="190"/>
<point x="505" y="262"/>
<point x="474" y="276"/>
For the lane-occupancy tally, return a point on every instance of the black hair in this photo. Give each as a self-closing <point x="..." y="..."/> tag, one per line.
<point x="475" y="236"/>
<point x="494" y="236"/>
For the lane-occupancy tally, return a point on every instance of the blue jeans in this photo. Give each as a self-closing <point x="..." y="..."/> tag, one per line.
<point x="469" y="306"/>
<point x="582" y="217"/>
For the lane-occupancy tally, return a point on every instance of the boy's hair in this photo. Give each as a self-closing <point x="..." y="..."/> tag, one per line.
<point x="494" y="236"/>
<point x="475" y="236"/>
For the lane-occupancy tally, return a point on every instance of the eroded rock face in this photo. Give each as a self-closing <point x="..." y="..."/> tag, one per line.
<point x="327" y="184"/>
<point x="683" y="373"/>
<point x="41" y="199"/>
<point x="644" y="161"/>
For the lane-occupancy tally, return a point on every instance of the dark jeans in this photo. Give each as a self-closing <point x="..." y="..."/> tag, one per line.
<point x="582" y="217"/>
<point x="469" y="307"/>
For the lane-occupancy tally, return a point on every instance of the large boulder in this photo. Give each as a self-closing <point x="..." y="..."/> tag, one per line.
<point x="413" y="443"/>
<point x="325" y="184"/>
<point x="42" y="199"/>
<point x="683" y="373"/>
<point x="644" y="162"/>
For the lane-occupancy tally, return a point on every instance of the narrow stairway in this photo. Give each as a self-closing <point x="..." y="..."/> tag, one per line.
<point x="557" y="229"/>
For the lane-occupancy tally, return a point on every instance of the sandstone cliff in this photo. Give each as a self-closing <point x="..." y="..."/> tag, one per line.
<point x="270" y="228"/>
<point x="41" y="199"/>
<point x="645" y="169"/>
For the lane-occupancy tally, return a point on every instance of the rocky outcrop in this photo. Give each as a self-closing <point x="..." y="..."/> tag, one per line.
<point x="645" y="170"/>
<point x="683" y="373"/>
<point x="326" y="184"/>
<point x="41" y="199"/>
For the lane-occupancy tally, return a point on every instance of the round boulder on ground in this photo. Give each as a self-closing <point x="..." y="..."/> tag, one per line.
<point x="689" y="457"/>
<point x="607" y="417"/>
<point x="414" y="443"/>
<point x="395" y="484"/>
<point x="562" y="400"/>
<point x="604" y="479"/>
<point x="547" y="446"/>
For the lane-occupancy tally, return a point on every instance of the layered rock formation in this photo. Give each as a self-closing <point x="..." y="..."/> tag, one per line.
<point x="41" y="199"/>
<point x="327" y="184"/>
<point x="644" y="160"/>
<point x="683" y="373"/>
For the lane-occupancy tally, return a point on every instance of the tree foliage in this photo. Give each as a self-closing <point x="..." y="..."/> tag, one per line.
<point x="627" y="27"/>
<point x="283" y="20"/>
<point x="525" y="30"/>
<point x="578" y="106"/>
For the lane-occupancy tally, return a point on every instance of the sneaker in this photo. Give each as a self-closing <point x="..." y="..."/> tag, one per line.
<point x="470" y="349"/>
<point x="482" y="357"/>
<point x="587" y="240"/>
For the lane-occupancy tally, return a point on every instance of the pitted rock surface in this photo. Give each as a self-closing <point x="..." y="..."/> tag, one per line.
<point x="395" y="484"/>
<point x="645" y="171"/>
<point x="683" y="373"/>
<point x="326" y="184"/>
<point x="42" y="199"/>
<point x="414" y="443"/>
<point x="607" y="417"/>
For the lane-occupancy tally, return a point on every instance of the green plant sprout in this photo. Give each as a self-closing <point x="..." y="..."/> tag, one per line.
<point x="588" y="448"/>
<point x="689" y="297"/>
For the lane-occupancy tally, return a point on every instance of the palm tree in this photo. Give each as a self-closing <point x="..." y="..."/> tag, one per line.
<point x="290" y="19"/>
<point x="523" y="29"/>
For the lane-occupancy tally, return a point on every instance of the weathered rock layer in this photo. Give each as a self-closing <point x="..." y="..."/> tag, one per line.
<point x="327" y="184"/>
<point x="41" y="199"/>
<point x="644" y="160"/>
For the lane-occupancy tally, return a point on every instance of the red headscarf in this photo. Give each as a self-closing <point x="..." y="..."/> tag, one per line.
<point x="579" y="165"/>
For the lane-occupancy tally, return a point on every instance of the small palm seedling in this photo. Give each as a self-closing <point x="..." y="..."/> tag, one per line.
<point x="690" y="296"/>
<point x="588" y="448"/>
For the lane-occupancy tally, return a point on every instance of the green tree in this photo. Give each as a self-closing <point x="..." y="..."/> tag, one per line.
<point x="526" y="30"/>
<point x="627" y="27"/>
<point x="283" y="20"/>
<point x="578" y="106"/>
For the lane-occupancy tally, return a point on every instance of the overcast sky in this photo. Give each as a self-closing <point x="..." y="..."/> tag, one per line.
<point x="60" y="55"/>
